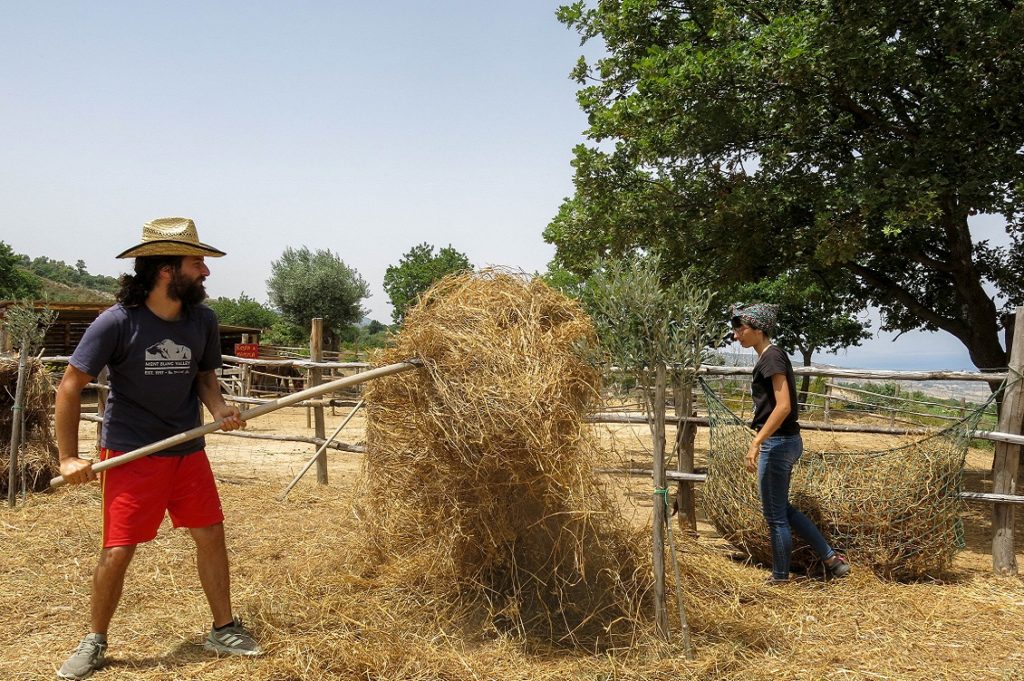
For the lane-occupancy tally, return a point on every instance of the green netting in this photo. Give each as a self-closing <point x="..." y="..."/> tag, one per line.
<point x="896" y="511"/>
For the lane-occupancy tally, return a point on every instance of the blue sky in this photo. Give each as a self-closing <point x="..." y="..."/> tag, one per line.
<point x="363" y="128"/>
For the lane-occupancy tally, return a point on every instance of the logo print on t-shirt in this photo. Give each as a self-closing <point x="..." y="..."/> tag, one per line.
<point x="167" y="357"/>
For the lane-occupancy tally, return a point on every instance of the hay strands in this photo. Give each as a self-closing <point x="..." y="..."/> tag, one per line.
<point x="250" y="414"/>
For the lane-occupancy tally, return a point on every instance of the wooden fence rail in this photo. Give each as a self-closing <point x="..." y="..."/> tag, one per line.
<point x="1008" y="437"/>
<point x="677" y="476"/>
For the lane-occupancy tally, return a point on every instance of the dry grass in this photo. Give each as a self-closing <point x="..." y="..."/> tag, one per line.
<point x="300" y="585"/>
<point x="477" y="545"/>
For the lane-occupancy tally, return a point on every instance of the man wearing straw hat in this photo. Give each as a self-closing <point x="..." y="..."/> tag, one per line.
<point x="162" y="349"/>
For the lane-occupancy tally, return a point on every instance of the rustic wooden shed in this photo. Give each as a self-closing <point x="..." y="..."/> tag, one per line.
<point x="67" y="329"/>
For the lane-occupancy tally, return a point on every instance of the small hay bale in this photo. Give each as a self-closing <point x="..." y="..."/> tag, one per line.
<point x="478" y="478"/>
<point x="37" y="459"/>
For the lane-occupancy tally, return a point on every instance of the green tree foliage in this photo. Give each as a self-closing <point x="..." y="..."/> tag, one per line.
<point x="372" y="335"/>
<point x="416" y="272"/>
<point x="27" y="326"/>
<point x="75" y="276"/>
<point x="15" y="281"/>
<point x="244" y="311"/>
<point x="746" y="139"/>
<point x="815" y="315"/>
<point x="284" y="333"/>
<point x="305" y="284"/>
<point x="642" y="321"/>
<point x="563" y="280"/>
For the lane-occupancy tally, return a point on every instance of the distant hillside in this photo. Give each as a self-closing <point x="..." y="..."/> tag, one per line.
<point x="59" y="282"/>
<point x="57" y="292"/>
<point x="73" y="276"/>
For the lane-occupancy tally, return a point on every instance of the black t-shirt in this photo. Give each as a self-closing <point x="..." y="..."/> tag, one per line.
<point x="153" y="367"/>
<point x="771" y="362"/>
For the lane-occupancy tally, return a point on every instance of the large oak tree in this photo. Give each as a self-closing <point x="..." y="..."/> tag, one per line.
<point x="747" y="140"/>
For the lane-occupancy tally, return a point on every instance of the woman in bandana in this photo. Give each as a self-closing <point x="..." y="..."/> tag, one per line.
<point x="777" y="443"/>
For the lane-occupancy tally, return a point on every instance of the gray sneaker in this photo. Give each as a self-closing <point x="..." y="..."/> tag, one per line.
<point x="87" y="659"/>
<point x="837" y="566"/>
<point x="232" y="640"/>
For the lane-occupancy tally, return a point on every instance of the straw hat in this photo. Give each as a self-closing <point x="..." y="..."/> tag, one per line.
<point x="170" y="236"/>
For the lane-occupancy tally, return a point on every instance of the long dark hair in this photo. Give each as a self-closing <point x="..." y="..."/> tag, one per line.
<point x="135" y="288"/>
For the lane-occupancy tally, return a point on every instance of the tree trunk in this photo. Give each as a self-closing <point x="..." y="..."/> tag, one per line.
<point x="975" y="321"/>
<point x="16" y="424"/>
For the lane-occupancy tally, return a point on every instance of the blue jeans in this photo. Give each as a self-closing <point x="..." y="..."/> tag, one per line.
<point x="774" y="468"/>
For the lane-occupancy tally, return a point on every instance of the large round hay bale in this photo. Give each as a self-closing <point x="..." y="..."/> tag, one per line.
<point x="37" y="459"/>
<point x="896" y="512"/>
<point x="478" y="473"/>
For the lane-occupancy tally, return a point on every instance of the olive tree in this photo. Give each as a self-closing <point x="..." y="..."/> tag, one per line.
<point x="304" y="284"/>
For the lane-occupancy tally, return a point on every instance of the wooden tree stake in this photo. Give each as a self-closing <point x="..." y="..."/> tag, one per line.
<point x="658" y="475"/>
<point x="16" y="422"/>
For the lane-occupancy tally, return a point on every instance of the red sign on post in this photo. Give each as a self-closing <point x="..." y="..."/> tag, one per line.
<point x="247" y="350"/>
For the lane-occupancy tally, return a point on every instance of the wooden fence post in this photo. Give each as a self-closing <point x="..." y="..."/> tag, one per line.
<point x="892" y="410"/>
<point x="1007" y="456"/>
<point x="316" y="354"/>
<point x="245" y="379"/>
<point x="828" y="403"/>
<point x="686" y="432"/>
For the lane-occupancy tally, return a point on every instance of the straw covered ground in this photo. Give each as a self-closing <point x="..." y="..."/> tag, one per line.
<point x="474" y="542"/>
<point x="302" y="590"/>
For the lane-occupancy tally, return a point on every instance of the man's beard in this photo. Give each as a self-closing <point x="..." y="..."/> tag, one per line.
<point x="188" y="291"/>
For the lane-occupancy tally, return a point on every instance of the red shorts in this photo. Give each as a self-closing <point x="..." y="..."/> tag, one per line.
<point x="136" y="495"/>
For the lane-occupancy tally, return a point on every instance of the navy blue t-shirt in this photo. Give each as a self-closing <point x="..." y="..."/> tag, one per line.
<point x="771" y="362"/>
<point x="153" y="365"/>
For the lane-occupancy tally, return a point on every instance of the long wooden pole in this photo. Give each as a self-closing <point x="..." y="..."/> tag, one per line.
<point x="320" y="451"/>
<point x="1007" y="457"/>
<point x="16" y="423"/>
<point x="660" y="492"/>
<point x="250" y="414"/>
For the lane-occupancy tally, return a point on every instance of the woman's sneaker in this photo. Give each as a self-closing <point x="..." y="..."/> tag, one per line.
<point x="837" y="566"/>
<point x="86" y="659"/>
<point x="232" y="639"/>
